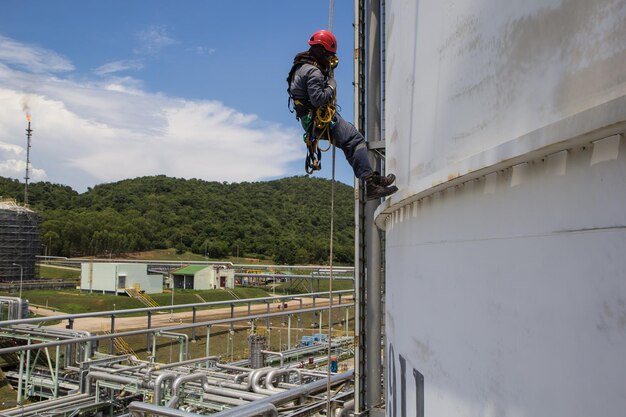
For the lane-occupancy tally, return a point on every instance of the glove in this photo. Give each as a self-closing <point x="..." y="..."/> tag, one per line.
<point x="332" y="84"/>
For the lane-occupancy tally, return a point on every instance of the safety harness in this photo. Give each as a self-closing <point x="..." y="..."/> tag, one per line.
<point x="317" y="122"/>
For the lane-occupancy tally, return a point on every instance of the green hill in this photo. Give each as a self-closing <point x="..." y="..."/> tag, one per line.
<point x="286" y="220"/>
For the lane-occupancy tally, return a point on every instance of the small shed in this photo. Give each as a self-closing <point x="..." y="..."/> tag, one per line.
<point x="113" y="277"/>
<point x="203" y="277"/>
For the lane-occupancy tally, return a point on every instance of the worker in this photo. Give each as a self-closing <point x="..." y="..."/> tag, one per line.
<point x="311" y="85"/>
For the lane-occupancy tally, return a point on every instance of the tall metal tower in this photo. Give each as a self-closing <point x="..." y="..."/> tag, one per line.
<point x="29" y="133"/>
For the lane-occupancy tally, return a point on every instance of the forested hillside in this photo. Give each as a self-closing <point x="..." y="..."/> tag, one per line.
<point x="286" y="220"/>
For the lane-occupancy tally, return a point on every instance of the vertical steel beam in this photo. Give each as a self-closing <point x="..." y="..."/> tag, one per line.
<point x="373" y="369"/>
<point x="359" y="221"/>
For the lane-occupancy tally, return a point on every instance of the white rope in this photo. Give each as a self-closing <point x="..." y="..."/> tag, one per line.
<point x="330" y="283"/>
<point x="331" y="10"/>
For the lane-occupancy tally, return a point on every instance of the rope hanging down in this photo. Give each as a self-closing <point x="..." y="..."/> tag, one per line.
<point x="326" y="116"/>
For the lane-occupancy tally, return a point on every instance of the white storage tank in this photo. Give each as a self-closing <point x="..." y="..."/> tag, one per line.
<point x="506" y="244"/>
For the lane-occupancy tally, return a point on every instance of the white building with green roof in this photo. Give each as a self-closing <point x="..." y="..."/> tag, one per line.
<point x="203" y="277"/>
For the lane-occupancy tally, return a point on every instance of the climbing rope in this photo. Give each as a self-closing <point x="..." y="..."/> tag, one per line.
<point x="326" y="114"/>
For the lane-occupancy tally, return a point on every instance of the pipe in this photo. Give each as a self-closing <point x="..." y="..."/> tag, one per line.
<point x="251" y="409"/>
<point x="232" y="401"/>
<point x="70" y="399"/>
<point x="158" y="383"/>
<point x="179" y="335"/>
<point x="240" y="387"/>
<point x="269" y="379"/>
<point x="265" y="410"/>
<point x="121" y="379"/>
<point x="216" y="394"/>
<point x="280" y="354"/>
<point x="11" y="309"/>
<point x="173" y="402"/>
<point x="348" y="406"/>
<point x="232" y="367"/>
<point x="159" y="367"/>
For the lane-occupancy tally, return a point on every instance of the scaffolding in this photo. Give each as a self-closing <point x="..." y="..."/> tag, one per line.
<point x="19" y="241"/>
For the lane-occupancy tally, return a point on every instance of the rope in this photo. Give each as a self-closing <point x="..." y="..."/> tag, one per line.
<point x="326" y="116"/>
<point x="330" y="280"/>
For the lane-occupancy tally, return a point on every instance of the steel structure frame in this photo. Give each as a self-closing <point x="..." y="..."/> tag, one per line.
<point x="19" y="241"/>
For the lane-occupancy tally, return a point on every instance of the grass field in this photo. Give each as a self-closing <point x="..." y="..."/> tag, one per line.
<point x="73" y="301"/>
<point x="51" y="272"/>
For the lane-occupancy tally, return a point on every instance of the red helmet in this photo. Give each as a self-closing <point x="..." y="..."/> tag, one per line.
<point x="326" y="39"/>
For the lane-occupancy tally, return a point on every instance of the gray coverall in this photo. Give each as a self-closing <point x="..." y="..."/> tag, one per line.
<point x="309" y="84"/>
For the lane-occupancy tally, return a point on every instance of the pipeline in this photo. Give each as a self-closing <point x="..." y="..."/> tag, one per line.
<point x="279" y="354"/>
<point x="159" y="367"/>
<point x="269" y="379"/>
<point x="15" y="307"/>
<point x="121" y="379"/>
<point x="251" y="409"/>
<point x="178" y="336"/>
<point x="348" y="406"/>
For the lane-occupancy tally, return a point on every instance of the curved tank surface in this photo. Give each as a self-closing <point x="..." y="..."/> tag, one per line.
<point x="504" y="124"/>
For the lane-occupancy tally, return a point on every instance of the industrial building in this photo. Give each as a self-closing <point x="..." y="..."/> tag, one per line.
<point x="117" y="278"/>
<point x="19" y="241"/>
<point x="203" y="277"/>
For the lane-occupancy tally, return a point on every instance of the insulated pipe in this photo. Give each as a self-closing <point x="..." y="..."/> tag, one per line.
<point x="254" y="383"/>
<point x="280" y="354"/>
<point x="43" y="405"/>
<point x="175" y="364"/>
<point x="269" y="379"/>
<point x="208" y="389"/>
<point x="121" y="379"/>
<point x="219" y="398"/>
<point x="251" y="409"/>
<point x="243" y="388"/>
<point x="180" y="381"/>
<point x="231" y="393"/>
<point x="345" y="410"/>
<point x="232" y="367"/>
<point x="158" y="385"/>
<point x="265" y="410"/>
<point x="12" y="301"/>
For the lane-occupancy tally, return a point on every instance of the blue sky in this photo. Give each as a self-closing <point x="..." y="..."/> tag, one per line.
<point x="192" y="88"/>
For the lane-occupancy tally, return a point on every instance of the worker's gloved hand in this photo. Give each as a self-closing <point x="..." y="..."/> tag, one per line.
<point x="332" y="84"/>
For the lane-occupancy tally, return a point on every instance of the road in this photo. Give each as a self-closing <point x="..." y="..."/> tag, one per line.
<point x="99" y="324"/>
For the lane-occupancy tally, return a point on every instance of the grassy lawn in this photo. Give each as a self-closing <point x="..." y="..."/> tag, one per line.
<point x="58" y="273"/>
<point x="73" y="301"/>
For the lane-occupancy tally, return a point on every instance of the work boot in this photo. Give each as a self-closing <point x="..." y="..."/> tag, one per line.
<point x="374" y="191"/>
<point x="377" y="179"/>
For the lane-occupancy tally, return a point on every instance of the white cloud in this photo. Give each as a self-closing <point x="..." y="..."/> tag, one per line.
<point x="32" y="58"/>
<point x="152" y="40"/>
<point x="202" y="50"/>
<point x="87" y="132"/>
<point x="117" y="66"/>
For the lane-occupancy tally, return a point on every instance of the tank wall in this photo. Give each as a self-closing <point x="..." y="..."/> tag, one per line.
<point x="516" y="292"/>
<point x="469" y="84"/>
<point x="505" y="244"/>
